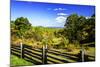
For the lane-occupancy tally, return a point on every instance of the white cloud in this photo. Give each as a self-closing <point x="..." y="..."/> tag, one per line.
<point x="55" y="9"/>
<point x="48" y="8"/>
<point x="87" y="17"/>
<point x="59" y="9"/>
<point x="62" y="14"/>
<point x="60" y="19"/>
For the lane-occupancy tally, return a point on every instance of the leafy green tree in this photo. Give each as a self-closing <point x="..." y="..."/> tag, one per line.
<point x="79" y="29"/>
<point x="22" y="25"/>
<point x="73" y="27"/>
<point x="89" y="30"/>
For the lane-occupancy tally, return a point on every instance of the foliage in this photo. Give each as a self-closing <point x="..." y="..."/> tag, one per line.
<point x="22" y="25"/>
<point x="15" y="61"/>
<point x="79" y="29"/>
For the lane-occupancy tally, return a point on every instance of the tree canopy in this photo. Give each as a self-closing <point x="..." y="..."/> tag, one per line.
<point x="79" y="29"/>
<point x="21" y="25"/>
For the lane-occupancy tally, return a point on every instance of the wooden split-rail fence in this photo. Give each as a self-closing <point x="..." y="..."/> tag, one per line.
<point x="46" y="56"/>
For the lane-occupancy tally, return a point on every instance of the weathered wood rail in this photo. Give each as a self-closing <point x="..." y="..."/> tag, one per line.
<point x="36" y="55"/>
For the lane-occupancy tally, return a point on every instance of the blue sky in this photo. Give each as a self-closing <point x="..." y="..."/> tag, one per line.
<point x="48" y="14"/>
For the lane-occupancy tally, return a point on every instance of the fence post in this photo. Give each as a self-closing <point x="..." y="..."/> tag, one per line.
<point x="44" y="54"/>
<point x="83" y="54"/>
<point x="22" y="50"/>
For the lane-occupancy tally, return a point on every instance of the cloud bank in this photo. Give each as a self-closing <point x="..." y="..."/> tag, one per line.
<point x="60" y="19"/>
<point x="62" y="14"/>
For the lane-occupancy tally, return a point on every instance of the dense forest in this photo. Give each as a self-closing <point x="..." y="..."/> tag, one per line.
<point x="77" y="31"/>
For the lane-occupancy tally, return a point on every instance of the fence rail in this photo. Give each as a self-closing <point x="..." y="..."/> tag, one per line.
<point x="50" y="56"/>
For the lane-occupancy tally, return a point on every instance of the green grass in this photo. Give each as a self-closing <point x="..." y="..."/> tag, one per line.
<point x="91" y="51"/>
<point x="15" y="62"/>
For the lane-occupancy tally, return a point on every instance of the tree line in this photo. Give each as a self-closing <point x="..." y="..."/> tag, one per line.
<point x="77" y="29"/>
